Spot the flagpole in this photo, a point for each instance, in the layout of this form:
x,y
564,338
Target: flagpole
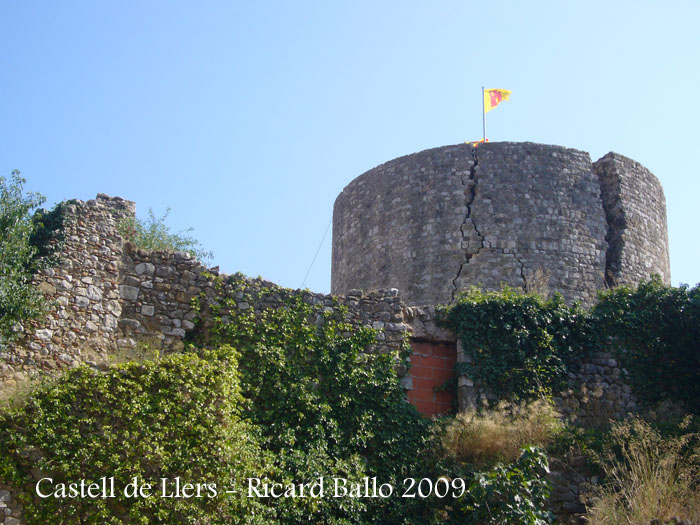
x,y
483,111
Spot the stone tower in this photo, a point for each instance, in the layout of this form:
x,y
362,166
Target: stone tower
x,y
532,216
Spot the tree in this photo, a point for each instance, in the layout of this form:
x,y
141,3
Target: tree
x,y
19,300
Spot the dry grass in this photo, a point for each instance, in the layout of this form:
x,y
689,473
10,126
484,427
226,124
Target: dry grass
x,y
650,477
498,435
14,392
147,350
16,389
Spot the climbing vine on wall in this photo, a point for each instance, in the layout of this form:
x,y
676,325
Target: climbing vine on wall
x,y
324,404
519,345
654,330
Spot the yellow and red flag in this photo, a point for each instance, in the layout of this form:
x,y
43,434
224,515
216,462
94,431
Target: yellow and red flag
x,y
493,97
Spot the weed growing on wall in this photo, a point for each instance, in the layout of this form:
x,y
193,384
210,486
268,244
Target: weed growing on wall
x,y
154,234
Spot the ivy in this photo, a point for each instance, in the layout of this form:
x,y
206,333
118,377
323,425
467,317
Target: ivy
x,y
519,345
515,493
48,235
654,330
323,403
522,346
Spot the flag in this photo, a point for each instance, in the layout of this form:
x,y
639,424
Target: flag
x,y
493,97
476,143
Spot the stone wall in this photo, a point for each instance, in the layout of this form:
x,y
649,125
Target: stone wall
x,y
157,289
596,393
84,290
523,214
108,297
10,508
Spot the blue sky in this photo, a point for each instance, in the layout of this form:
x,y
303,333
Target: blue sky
x,y
248,118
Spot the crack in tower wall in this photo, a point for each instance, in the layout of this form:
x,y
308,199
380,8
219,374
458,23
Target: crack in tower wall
x,y
470,184
614,217
522,271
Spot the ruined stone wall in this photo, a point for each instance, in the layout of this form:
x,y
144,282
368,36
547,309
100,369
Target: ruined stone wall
x,y
157,289
635,208
527,215
108,297
84,291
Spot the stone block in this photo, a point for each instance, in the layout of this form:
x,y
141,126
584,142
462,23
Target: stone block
x,y
145,269
129,293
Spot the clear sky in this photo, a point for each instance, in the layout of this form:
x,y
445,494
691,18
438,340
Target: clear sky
x,y
248,118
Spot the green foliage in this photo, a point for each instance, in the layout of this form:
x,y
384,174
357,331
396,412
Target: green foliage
x,y
324,405
515,493
655,333
48,236
18,256
154,234
521,345
307,401
177,416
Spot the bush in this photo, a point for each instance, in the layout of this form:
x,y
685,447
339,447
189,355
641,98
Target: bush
x,y
154,234
648,476
18,262
515,493
654,330
499,435
177,416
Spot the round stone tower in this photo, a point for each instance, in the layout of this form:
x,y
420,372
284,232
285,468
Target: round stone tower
x,y
532,216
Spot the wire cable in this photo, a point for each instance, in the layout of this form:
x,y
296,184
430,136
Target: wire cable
x,y
317,250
